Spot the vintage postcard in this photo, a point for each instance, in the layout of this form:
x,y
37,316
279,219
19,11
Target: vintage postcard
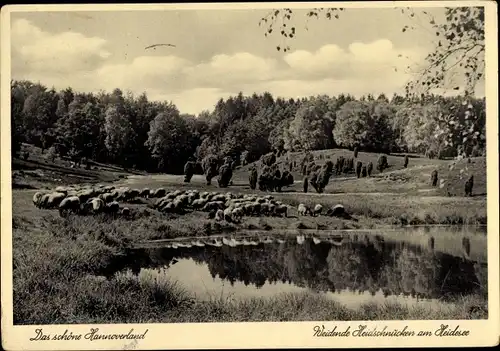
x,y
249,175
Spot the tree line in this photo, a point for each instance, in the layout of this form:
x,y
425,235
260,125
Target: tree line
x,y
134,132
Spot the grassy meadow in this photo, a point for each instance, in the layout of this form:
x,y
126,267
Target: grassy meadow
x,y
59,262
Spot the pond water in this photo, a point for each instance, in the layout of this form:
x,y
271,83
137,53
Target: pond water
x,y
424,265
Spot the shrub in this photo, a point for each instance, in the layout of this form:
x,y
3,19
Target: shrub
x,y
434,177
225,175
359,165
363,171
369,168
268,159
189,168
382,163
252,178
210,165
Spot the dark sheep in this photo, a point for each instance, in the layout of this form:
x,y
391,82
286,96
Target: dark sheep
x,y
252,178
369,169
434,177
189,168
359,165
468,186
382,163
306,184
405,165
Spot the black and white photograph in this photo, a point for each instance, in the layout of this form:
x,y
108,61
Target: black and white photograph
x,y
234,163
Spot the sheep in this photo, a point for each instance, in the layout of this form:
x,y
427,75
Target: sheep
x,y
112,207
106,197
69,204
228,214
317,209
51,200
213,206
264,209
237,213
125,211
94,206
302,210
198,203
169,207
257,207
282,210
37,197
336,211
86,194
145,193
160,192
219,215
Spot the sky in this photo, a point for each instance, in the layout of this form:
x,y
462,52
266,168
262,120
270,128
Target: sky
x,y
218,53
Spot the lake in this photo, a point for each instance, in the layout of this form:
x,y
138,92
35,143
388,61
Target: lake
x,y
415,265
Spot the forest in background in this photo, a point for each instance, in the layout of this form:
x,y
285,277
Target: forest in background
x,y
134,132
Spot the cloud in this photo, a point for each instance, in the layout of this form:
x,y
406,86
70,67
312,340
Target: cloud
x,y
84,63
148,72
193,101
65,52
368,60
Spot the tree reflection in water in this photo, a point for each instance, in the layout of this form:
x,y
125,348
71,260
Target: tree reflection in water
x,y
368,264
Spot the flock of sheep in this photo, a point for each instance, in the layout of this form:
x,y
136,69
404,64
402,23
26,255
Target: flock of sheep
x,y
88,199
233,207
221,206
227,206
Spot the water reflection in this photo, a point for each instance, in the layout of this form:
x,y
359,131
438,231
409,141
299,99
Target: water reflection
x,y
364,266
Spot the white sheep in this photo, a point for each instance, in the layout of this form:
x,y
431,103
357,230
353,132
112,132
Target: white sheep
x,y
237,213
302,210
219,215
228,214
317,209
94,205
69,204
37,197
